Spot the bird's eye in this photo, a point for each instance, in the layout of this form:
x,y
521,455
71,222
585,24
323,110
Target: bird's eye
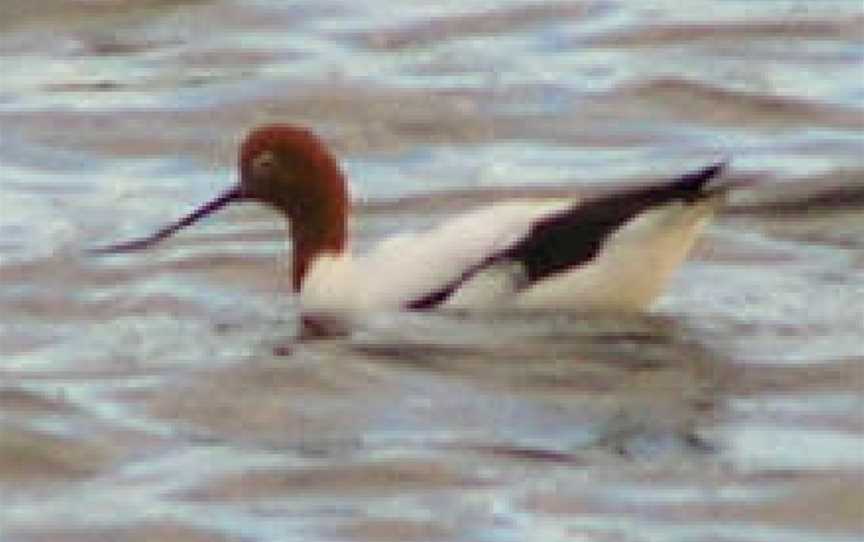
x,y
264,163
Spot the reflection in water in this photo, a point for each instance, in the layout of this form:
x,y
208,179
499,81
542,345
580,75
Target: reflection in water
x,y
167,396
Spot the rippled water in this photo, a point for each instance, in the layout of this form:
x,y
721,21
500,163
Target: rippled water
x,y
163,396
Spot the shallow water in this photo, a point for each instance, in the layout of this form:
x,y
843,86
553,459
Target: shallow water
x,y
164,396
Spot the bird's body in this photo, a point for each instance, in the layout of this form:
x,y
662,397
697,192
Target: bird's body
x,y
427,269
614,252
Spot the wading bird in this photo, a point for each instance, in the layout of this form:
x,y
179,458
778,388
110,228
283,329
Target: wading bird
x,y
611,253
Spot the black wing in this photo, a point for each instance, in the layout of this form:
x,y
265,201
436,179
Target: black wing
x,y
575,235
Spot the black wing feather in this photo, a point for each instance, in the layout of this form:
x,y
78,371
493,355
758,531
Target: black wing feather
x,y
575,235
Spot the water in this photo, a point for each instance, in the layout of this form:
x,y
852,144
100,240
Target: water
x,y
164,396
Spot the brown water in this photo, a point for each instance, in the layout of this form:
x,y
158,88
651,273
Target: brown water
x,y
163,396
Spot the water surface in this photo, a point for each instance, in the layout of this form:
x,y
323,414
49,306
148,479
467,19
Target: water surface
x,y
164,396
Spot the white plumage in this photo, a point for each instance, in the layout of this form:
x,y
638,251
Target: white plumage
x,y
633,267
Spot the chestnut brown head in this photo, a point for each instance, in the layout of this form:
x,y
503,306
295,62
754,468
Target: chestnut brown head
x,y
288,168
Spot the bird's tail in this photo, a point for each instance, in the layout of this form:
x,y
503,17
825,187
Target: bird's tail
x,y
694,186
698,185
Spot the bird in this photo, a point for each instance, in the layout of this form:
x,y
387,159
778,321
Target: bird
x,y
614,252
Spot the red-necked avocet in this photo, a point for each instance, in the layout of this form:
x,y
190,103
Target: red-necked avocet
x,y
611,253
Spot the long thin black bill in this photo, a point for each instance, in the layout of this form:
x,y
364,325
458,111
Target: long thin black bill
x,y
227,197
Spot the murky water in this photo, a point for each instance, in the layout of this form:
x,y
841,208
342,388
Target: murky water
x,y
163,396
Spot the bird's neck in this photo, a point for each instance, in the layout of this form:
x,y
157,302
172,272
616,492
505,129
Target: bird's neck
x,y
318,227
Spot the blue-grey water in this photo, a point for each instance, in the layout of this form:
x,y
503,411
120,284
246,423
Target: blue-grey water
x,y
164,396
